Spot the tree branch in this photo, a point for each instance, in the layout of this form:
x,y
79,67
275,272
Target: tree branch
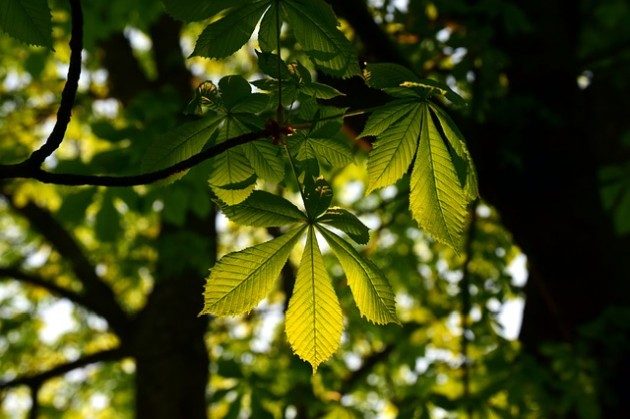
x,y
32,279
97,293
22,171
69,93
34,380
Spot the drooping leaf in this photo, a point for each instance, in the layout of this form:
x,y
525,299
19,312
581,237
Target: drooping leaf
x,y
317,195
27,20
394,150
437,200
265,160
371,291
263,209
225,36
347,222
320,90
240,280
459,152
179,144
384,75
267,34
384,117
233,89
195,10
272,65
231,176
314,25
314,322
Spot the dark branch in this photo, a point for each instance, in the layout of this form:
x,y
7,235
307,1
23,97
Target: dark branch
x,y
32,279
97,293
69,93
34,380
21,171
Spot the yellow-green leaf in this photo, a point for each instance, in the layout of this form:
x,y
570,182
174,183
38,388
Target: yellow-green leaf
x,y
394,150
240,280
371,291
314,321
437,200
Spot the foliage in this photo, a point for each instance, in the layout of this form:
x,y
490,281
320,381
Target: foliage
x,y
267,146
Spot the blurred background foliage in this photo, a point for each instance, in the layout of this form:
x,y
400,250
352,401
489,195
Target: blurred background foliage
x,y
457,352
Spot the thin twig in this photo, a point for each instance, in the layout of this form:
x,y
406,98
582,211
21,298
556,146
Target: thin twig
x,y
22,171
69,93
39,378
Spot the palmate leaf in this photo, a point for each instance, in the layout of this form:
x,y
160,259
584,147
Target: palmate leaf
x,y
393,152
232,177
265,159
370,288
263,209
179,144
314,25
240,280
27,20
195,10
225,36
437,199
347,222
314,321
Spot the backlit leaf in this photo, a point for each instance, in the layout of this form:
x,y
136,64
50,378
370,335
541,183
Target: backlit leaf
x,y
437,200
347,222
371,291
263,209
314,321
240,280
27,20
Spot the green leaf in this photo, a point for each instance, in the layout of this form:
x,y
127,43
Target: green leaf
x,y
459,152
265,160
314,25
27,20
371,291
437,200
194,10
383,75
320,90
179,144
317,195
225,36
232,178
240,280
394,150
384,117
347,222
233,89
331,151
263,209
268,64
267,34
314,322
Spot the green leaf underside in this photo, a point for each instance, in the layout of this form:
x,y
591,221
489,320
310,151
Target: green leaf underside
x,y
27,20
240,280
264,158
224,37
333,152
462,156
317,195
371,291
231,176
383,118
268,30
315,28
394,150
384,75
195,10
314,321
347,222
264,209
437,200
179,144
